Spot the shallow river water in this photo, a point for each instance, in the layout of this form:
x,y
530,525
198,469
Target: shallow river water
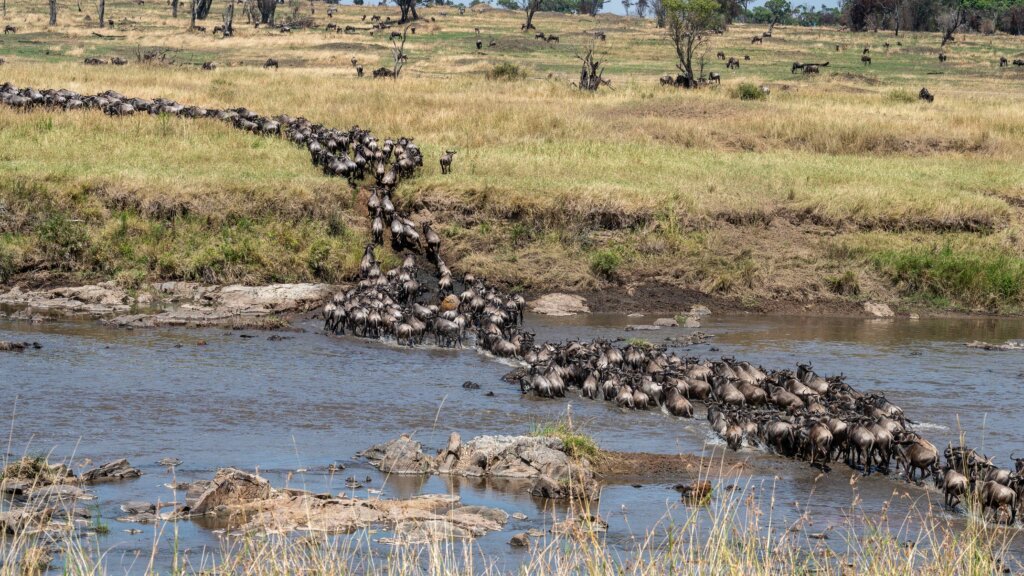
x,y
309,400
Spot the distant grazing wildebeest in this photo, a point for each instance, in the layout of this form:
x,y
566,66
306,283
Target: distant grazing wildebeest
x,y
796,66
118,61
383,72
866,50
811,69
553,38
446,161
732,63
540,35
866,59
94,61
270,63
359,70
1018,62
746,57
715,77
209,65
479,44
1003,62
925,95
756,40
667,80
10,29
721,55
350,29
492,43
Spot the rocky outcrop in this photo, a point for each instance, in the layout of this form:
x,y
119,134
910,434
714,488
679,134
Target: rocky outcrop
x,y
402,455
248,502
111,472
231,488
878,310
542,459
184,303
1010,345
559,304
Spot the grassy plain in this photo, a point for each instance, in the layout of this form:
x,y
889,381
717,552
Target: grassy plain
x,y
837,188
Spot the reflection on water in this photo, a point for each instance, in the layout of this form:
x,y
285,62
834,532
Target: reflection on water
x,y
309,400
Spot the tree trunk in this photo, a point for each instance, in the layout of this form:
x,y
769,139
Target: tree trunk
x,y
267,9
192,15
229,18
174,8
531,8
203,9
53,12
102,12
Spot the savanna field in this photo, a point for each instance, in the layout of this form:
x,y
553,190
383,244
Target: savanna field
x,y
835,189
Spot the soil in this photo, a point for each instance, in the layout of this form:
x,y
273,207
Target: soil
x,y
629,467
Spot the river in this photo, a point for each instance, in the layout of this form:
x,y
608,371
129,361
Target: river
x,y
305,400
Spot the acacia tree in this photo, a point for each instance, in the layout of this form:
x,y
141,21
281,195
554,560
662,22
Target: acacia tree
x,y
531,7
53,12
781,11
203,9
690,26
267,9
957,13
101,10
408,8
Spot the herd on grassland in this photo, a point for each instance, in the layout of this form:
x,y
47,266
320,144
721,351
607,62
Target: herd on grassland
x,y
797,414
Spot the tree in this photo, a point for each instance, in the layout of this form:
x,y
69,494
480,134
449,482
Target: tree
x,y
781,11
658,6
203,8
53,12
229,19
591,72
956,13
174,8
590,7
531,7
690,26
101,10
267,9
408,8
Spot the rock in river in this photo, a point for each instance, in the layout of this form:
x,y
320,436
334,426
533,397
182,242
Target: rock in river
x,y
558,304
402,455
111,471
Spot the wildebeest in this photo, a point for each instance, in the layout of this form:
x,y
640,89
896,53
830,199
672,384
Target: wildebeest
x,y
811,69
209,66
394,35
1003,62
540,35
94,61
994,497
1018,62
953,484
866,59
446,161
118,61
479,44
552,38
796,66
746,57
756,40
943,57
492,44
866,50
720,55
732,63
10,29
359,70
925,95
715,77
270,63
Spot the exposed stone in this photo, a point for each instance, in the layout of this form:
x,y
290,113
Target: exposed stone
x,y
699,310
231,487
642,327
111,471
559,304
691,322
400,456
878,310
520,540
666,322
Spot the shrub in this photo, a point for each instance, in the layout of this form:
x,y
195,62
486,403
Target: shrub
x,y
576,443
506,71
901,96
605,263
62,239
748,91
844,285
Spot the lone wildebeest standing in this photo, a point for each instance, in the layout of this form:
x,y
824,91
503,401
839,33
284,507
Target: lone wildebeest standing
x,y
479,44
270,63
446,161
715,77
359,70
720,55
10,30
1003,62
552,38
756,40
925,95
866,60
943,57
733,63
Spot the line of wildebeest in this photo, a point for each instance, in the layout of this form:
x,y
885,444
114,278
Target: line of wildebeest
x,y
798,414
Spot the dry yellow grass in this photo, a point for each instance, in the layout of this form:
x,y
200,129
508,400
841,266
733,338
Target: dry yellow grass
x,y
551,175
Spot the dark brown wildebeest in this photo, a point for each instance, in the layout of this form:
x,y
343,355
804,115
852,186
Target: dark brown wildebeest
x,y
1003,62
359,70
199,29
811,69
492,44
925,95
394,35
756,40
118,61
350,29
479,44
383,72
553,38
721,55
270,63
715,77
209,66
866,59
866,50
446,161
667,80
10,29
943,57
540,35
732,63
796,66
746,57
331,27
837,48
94,61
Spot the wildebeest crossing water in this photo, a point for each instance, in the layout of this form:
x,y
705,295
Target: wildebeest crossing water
x,y
796,413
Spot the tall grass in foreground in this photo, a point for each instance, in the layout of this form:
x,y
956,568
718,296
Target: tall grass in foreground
x,y
733,532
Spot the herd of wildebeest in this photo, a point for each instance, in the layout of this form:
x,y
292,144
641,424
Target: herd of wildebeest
x,y
794,413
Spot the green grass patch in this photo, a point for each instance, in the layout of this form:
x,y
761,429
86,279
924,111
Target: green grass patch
x,y
577,444
967,278
748,91
506,71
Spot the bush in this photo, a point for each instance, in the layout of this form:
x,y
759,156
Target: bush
x,y
605,263
845,285
576,443
901,96
748,91
61,239
506,71
967,278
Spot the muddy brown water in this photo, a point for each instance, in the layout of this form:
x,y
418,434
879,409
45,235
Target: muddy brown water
x,y
308,400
